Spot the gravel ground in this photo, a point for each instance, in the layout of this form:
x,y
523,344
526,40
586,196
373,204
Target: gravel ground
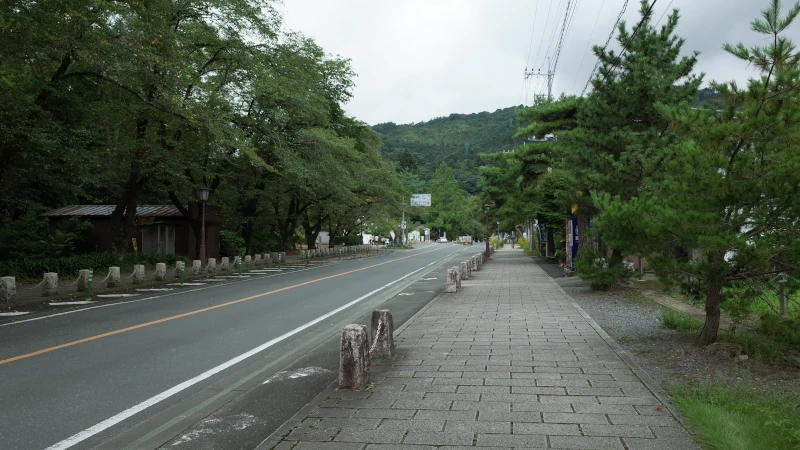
x,y
672,358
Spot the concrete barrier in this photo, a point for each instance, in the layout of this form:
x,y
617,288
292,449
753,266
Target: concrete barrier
x,y
283,258
382,334
50,285
457,269
354,357
257,259
464,272
138,274
469,268
224,264
451,285
113,277
8,289
161,271
248,261
211,265
83,280
179,268
474,262
197,267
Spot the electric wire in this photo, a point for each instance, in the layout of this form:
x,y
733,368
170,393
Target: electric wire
x,y
608,40
588,44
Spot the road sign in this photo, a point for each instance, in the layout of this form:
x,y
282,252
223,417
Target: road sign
x,y
403,224
421,200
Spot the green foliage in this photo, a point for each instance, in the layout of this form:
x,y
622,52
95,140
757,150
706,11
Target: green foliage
x,y
34,268
676,320
28,237
496,242
725,417
231,243
353,239
150,259
602,274
783,330
756,346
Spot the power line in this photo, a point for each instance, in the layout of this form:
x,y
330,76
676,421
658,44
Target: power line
x,y
588,44
665,11
528,59
569,16
610,35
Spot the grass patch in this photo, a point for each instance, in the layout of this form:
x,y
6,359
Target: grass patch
x,y
756,346
676,320
739,418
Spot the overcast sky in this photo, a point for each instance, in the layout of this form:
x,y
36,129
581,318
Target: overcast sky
x,y
420,59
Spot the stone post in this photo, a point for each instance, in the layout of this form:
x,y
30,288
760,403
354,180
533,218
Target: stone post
x,y
469,268
267,259
138,274
179,267
224,264
451,286
457,269
464,271
474,262
161,271
257,259
8,289
354,358
211,265
248,260
50,285
83,280
283,258
113,277
382,334
197,267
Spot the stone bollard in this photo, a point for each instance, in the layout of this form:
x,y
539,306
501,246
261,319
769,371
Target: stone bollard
x,y
354,357
179,268
283,258
451,286
83,280
382,334
274,257
248,260
267,259
257,259
50,285
464,271
211,265
224,264
138,273
458,276
469,268
474,262
8,289
161,271
197,267
113,277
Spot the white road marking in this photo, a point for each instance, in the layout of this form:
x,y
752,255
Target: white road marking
x,y
110,422
81,302
16,313
299,373
156,289
185,284
112,296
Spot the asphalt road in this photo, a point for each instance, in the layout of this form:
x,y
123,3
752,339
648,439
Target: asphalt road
x,y
212,366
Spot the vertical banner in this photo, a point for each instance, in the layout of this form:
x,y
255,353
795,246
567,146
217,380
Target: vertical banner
x,y
575,240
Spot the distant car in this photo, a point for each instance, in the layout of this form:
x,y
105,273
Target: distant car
x,y
442,240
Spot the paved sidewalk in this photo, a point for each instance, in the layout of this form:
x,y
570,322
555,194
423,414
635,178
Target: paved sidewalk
x,y
507,362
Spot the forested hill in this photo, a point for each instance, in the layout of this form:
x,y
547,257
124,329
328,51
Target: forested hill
x,y
456,139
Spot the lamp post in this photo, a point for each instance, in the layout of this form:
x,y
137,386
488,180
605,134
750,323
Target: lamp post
x,y
361,222
486,238
202,193
498,230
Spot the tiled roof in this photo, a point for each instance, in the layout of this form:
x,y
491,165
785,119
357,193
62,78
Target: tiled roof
x,y
106,210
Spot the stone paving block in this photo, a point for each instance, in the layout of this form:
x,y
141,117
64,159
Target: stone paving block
x,y
452,396
481,405
399,447
639,400
566,399
545,390
371,436
542,407
413,424
345,422
550,429
510,416
329,446
659,444
658,421
586,442
638,431
440,438
441,405
609,392
332,412
478,427
575,418
366,403
285,445
512,440
385,413
603,408
445,415
312,434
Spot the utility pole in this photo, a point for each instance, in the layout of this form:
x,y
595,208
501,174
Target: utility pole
x,y
549,75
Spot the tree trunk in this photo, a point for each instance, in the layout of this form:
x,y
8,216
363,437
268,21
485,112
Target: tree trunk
x,y
248,233
709,334
551,242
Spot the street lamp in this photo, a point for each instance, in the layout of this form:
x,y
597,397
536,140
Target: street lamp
x,y
498,230
202,194
486,237
361,222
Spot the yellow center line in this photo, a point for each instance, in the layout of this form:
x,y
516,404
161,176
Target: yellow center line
x,y
197,311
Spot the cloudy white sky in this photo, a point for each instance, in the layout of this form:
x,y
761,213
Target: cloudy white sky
x,y
420,59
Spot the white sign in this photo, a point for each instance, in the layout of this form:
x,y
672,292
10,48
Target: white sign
x,y
421,200
403,224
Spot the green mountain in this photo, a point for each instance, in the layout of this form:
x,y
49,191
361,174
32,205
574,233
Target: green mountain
x,y
457,139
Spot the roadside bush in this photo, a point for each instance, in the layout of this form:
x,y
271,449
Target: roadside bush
x,y
593,267
496,242
676,320
786,330
353,239
150,259
231,243
33,268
